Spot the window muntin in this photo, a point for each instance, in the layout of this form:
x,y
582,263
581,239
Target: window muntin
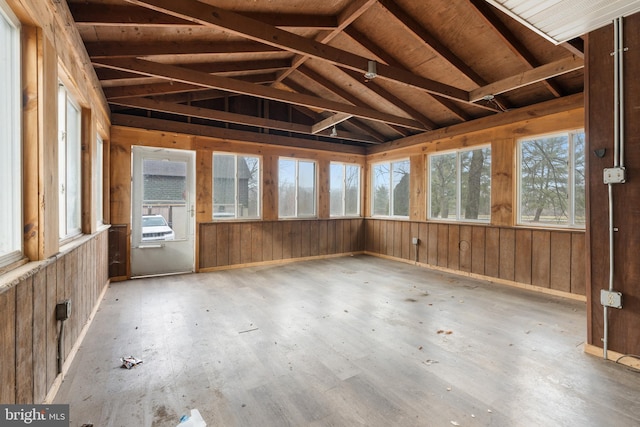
x,y
296,188
460,185
344,189
10,139
390,189
69,164
236,186
551,187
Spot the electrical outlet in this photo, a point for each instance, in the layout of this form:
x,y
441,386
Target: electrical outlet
x,y
415,240
611,298
63,310
615,175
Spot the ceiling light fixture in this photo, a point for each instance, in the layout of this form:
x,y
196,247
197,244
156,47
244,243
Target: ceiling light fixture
x,y
334,131
372,71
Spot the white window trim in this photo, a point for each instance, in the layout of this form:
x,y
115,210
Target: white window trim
x,y
570,224
65,233
391,206
344,191
296,214
13,115
235,187
99,185
458,152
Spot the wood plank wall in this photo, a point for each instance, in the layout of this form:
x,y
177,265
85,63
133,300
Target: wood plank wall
x,y
28,327
551,259
624,324
232,244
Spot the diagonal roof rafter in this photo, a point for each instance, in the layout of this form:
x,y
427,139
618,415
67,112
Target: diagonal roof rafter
x,y
257,31
184,75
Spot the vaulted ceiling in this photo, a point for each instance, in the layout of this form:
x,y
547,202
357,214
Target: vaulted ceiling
x,y
296,68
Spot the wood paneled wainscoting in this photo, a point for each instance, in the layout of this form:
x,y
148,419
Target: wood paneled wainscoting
x,y
552,260
28,327
223,244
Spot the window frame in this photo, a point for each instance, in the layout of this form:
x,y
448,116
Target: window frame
x,y
344,214
296,214
459,205
390,212
571,180
99,180
12,199
67,232
236,197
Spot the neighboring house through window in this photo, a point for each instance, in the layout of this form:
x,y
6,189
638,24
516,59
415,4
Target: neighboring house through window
x,y
296,188
10,139
236,186
460,185
390,189
551,180
345,189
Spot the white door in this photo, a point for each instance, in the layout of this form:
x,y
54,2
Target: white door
x,y
162,211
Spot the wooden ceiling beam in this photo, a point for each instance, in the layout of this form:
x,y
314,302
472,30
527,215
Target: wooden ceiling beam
x,y
331,121
381,55
575,46
487,13
439,48
125,91
226,117
255,30
184,75
525,78
354,122
429,39
337,90
132,49
85,14
392,99
209,114
346,17
230,134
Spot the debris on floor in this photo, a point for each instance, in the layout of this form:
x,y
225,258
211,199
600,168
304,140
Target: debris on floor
x,y
193,420
442,331
129,362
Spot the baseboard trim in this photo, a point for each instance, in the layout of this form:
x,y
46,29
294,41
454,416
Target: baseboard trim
x,y
511,283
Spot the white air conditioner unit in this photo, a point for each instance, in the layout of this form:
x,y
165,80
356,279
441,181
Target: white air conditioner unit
x,y
562,20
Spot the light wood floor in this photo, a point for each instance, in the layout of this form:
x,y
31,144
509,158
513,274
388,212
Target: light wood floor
x,y
342,342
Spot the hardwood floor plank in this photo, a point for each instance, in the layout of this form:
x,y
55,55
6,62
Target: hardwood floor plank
x,y
341,342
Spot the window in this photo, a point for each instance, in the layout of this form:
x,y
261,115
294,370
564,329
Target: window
x,y
236,186
391,188
99,190
10,139
551,188
344,189
69,166
460,185
296,188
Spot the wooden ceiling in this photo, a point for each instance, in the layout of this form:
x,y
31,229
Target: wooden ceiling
x,y
294,69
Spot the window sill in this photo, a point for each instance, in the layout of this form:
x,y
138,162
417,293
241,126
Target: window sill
x,y
19,271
